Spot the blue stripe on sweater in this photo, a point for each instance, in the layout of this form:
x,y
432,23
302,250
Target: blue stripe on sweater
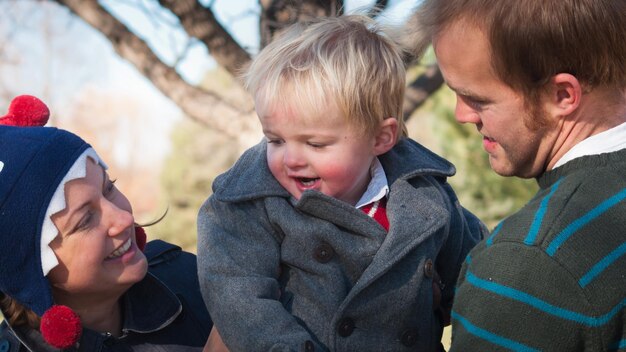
x,y
541,212
616,346
493,234
543,306
491,337
584,220
602,264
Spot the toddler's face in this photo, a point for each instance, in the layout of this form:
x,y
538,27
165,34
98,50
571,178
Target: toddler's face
x,y
320,153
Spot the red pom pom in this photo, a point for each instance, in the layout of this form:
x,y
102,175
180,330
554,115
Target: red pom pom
x,y
140,237
61,327
26,110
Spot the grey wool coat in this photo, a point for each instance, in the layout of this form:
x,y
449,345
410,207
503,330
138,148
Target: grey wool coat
x,y
317,274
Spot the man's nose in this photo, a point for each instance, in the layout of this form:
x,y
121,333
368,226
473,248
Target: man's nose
x,y
464,113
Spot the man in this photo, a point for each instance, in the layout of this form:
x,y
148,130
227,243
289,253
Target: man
x,y
545,84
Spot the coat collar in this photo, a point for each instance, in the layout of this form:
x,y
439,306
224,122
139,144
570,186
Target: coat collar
x,y
250,177
147,315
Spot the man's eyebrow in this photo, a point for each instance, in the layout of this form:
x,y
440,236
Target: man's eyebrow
x,y
468,94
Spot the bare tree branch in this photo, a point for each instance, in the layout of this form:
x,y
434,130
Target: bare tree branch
x,y
199,22
378,7
279,14
202,106
420,89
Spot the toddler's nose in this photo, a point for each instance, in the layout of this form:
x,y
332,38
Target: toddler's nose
x,y
293,158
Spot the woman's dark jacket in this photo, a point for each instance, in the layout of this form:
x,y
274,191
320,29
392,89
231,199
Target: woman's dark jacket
x,y
162,312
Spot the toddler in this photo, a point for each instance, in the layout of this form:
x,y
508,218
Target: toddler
x,y
327,235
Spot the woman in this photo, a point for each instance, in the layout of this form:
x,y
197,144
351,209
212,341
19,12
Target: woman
x,y
73,275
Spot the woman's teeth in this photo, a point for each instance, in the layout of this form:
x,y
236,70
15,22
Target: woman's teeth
x,y
120,251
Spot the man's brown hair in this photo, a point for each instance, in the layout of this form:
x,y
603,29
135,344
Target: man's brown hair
x,y
533,40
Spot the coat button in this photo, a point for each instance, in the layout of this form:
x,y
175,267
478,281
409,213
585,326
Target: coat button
x,y
409,337
309,346
429,269
345,327
323,253
4,346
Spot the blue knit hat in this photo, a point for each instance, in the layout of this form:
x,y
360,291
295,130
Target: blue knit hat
x,y
35,160
35,164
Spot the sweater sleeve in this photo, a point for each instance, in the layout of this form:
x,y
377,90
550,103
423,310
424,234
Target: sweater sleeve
x,y
238,267
514,297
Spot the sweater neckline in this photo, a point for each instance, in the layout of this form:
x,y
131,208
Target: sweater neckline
x,y
548,178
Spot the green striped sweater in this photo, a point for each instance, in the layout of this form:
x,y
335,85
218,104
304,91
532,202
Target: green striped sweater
x,y
552,277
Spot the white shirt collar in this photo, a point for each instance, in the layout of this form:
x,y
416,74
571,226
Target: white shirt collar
x,y
378,186
608,141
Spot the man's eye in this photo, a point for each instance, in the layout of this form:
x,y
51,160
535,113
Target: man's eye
x,y
473,103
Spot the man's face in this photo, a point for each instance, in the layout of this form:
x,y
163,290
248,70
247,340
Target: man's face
x,y
463,54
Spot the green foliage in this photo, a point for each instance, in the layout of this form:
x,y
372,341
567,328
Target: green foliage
x,y
198,156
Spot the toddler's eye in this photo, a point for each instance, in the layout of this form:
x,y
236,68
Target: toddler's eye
x,y
316,145
274,141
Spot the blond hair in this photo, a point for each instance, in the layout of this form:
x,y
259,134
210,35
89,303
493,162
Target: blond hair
x,y
348,61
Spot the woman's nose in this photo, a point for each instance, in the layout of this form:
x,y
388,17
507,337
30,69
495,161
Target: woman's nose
x,y
118,218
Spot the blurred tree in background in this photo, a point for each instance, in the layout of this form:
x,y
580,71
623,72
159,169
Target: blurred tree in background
x,y
200,154
220,120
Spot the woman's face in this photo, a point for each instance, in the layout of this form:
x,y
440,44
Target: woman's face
x,y
96,247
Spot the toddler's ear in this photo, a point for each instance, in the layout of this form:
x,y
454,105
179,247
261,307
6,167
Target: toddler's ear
x,y
387,136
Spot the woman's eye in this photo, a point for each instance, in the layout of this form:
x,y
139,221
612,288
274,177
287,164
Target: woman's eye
x,y
110,187
84,222
316,145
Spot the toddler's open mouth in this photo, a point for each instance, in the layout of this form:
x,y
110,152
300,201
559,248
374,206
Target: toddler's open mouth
x,y
307,182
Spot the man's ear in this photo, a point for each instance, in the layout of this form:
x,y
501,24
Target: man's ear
x,y
565,94
387,136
